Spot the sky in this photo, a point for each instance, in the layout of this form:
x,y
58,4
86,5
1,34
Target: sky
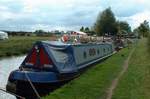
x,y
31,15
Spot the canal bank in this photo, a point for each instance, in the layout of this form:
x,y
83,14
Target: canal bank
x,y
135,83
18,45
6,66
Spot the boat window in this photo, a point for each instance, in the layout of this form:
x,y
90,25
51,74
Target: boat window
x,y
84,55
98,51
60,56
104,50
92,52
108,48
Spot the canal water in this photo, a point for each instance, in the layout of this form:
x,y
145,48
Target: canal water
x,y
6,66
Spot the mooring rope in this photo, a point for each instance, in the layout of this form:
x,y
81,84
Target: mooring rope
x,y
2,89
33,87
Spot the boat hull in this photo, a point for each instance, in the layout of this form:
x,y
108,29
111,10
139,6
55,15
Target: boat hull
x,y
24,89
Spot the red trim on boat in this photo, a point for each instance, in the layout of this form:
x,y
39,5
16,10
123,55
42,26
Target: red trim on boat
x,y
32,57
44,59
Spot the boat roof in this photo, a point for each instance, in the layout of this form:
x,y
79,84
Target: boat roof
x,y
56,43
62,44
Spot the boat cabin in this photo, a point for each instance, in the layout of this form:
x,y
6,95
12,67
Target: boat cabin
x,y
64,58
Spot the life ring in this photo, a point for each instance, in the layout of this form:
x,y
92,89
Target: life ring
x,y
65,38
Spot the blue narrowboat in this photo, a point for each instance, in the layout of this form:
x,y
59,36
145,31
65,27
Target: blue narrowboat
x,y
51,64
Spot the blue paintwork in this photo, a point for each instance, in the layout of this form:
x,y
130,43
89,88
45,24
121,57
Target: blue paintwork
x,y
39,77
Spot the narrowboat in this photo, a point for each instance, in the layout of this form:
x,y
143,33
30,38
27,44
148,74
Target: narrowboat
x,y
50,64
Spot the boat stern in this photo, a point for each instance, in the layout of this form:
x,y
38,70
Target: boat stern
x,y
29,76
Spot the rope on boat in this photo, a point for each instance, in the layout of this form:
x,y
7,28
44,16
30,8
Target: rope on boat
x,y
33,87
12,93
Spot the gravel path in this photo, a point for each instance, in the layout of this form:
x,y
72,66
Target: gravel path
x,y
116,80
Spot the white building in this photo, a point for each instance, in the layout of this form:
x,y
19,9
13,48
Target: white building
x,y
3,35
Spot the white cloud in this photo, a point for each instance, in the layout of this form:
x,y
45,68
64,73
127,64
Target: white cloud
x,y
3,8
136,19
142,1
140,17
66,14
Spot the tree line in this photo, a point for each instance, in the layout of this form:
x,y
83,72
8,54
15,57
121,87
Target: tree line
x,y
107,24
143,30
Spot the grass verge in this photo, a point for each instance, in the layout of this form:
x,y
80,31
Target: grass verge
x,y
17,45
94,82
135,83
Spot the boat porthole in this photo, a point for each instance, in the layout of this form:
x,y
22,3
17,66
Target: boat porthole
x,y
104,50
84,55
98,51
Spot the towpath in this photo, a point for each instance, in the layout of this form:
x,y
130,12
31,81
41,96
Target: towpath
x,y
116,80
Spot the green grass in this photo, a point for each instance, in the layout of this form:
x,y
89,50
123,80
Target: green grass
x,y
94,83
17,45
135,84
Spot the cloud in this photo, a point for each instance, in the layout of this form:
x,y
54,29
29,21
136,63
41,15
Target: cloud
x,y
48,12
138,18
67,14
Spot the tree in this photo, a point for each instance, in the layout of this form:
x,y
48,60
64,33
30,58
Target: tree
x,y
106,23
39,32
136,32
82,29
123,27
143,29
87,30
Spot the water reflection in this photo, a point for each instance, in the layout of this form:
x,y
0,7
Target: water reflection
x,y
6,66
